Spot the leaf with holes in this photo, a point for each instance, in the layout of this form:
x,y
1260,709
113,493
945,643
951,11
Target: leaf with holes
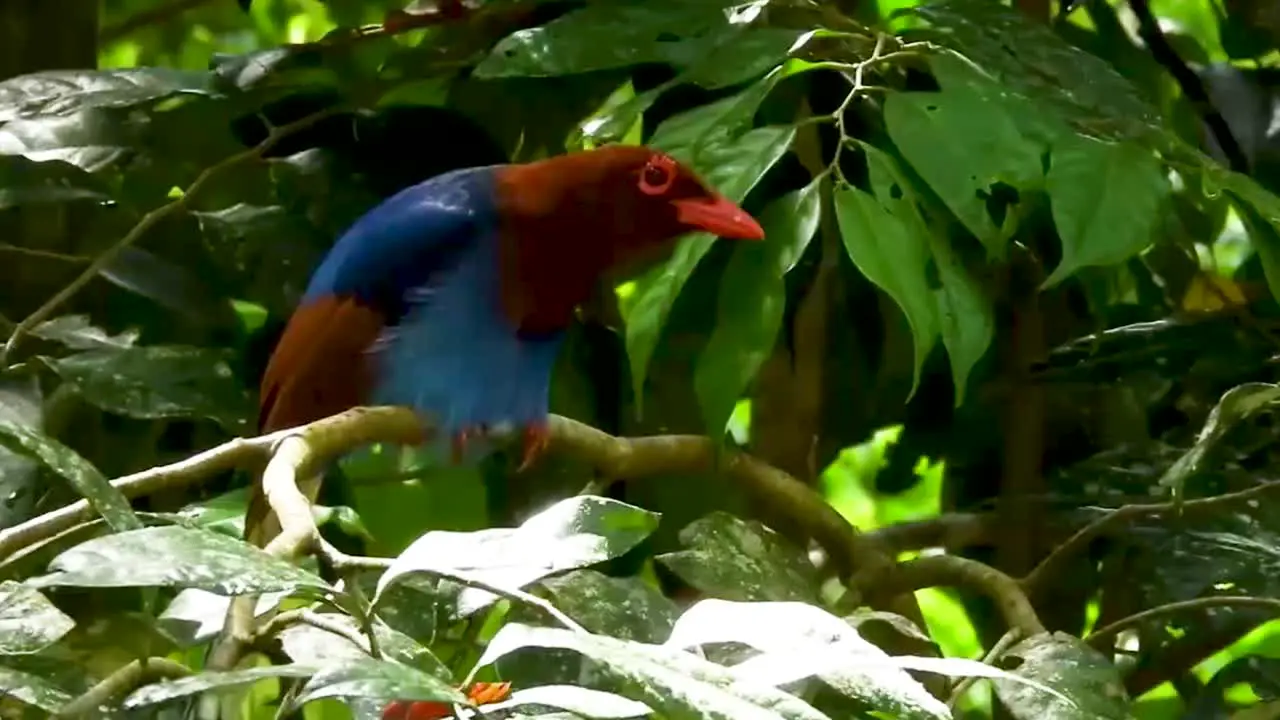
x,y
91,484
1106,199
751,303
963,146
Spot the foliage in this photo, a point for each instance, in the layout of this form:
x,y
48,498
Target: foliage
x,y
1046,250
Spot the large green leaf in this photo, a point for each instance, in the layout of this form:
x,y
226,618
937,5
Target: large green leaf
x,y
626,608
678,684
1106,198
159,382
92,485
62,92
379,679
892,252
696,35
1091,682
741,560
962,145
32,689
162,692
28,621
868,673
175,556
751,304
706,138
573,533
24,181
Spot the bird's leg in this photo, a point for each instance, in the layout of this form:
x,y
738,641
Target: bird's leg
x,y
464,436
537,437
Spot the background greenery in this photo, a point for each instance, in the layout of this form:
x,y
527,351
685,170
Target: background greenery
x,y
1020,270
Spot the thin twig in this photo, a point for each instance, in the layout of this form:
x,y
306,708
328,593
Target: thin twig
x,y
1011,637
152,218
1099,638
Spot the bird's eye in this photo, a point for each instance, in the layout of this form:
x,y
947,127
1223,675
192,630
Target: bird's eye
x,y
658,175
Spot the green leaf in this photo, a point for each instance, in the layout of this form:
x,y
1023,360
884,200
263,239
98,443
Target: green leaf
x,y
627,608
28,621
702,137
159,381
78,333
91,484
751,304
32,689
1092,685
800,631
379,679
307,643
965,316
64,92
162,692
716,47
740,560
677,684
1106,199
571,534
175,556
962,146
893,253
24,181
22,403
195,616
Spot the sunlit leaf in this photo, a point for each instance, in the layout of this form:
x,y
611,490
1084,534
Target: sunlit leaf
x,y
28,621
175,556
381,679
165,691
62,92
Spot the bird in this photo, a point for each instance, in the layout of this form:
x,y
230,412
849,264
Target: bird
x,y
452,297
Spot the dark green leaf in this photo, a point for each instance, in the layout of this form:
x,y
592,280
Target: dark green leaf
x,y
28,621
175,556
740,560
806,640
677,684
25,182
752,300
80,473
378,679
719,48
159,382
77,333
157,693
573,533
63,92
962,145
626,608
1030,59
22,404
703,137
171,286
1071,667
1106,198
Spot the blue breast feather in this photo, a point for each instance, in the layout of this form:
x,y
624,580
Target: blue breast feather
x,y
428,259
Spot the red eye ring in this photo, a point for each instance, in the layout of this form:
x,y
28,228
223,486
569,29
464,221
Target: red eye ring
x,y
658,175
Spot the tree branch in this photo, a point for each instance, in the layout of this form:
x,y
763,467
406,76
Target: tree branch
x,y
1100,638
152,218
122,682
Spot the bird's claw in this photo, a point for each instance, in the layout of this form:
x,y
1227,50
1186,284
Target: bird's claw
x,y
536,439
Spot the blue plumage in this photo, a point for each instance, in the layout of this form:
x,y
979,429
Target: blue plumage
x,y
427,260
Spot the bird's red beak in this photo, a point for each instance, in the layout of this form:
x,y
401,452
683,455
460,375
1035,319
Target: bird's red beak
x,y
718,215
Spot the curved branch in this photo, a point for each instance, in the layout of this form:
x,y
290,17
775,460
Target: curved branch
x,y
1099,638
122,682
936,570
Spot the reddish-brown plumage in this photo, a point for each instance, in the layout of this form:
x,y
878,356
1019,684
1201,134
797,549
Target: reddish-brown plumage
x,y
568,220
